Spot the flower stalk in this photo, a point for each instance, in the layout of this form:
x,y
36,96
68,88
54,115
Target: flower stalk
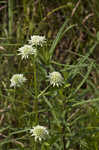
x,y
36,93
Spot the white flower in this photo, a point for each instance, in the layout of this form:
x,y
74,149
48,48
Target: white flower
x,y
17,80
39,132
55,79
27,50
37,40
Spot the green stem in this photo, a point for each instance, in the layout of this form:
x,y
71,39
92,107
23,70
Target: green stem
x,y
36,100
42,93
33,144
35,147
10,14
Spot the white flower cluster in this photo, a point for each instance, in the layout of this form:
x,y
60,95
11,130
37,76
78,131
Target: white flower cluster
x,y
17,80
27,50
39,132
30,49
37,40
55,78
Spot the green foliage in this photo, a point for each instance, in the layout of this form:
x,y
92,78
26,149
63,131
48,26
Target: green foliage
x,y
71,111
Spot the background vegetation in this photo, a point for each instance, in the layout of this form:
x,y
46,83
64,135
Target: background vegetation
x,y
70,113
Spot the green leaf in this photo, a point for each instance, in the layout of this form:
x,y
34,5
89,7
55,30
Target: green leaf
x,y
60,34
97,36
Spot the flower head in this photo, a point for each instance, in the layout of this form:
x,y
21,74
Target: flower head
x,y
55,79
39,132
17,80
27,50
37,40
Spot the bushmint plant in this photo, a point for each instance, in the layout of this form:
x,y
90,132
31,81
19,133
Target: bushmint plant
x,y
54,79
